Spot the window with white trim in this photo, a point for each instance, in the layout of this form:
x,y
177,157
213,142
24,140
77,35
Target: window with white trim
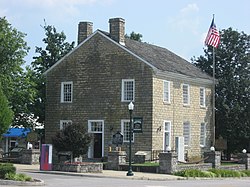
x,y
185,94
64,124
125,131
66,92
95,126
203,135
166,91
128,90
186,133
166,135
202,97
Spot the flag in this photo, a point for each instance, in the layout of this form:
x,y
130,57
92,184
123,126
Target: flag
x,y
213,36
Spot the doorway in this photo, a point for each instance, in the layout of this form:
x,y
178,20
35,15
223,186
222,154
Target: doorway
x,y
96,147
166,135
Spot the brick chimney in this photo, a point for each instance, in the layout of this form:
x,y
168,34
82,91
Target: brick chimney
x,y
84,30
117,30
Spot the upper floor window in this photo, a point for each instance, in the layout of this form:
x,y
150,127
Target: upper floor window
x,y
125,130
128,90
64,124
66,92
166,91
186,133
202,97
203,135
186,94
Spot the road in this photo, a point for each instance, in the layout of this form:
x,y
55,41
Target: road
x,y
52,180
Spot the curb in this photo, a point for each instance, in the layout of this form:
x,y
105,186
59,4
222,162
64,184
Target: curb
x,y
37,182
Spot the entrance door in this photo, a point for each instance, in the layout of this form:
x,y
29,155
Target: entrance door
x,y
167,135
96,127
97,145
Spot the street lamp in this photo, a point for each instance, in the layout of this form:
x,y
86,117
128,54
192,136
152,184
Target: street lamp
x,y
130,108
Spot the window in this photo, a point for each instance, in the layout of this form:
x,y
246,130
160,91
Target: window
x,y
202,97
66,92
95,126
186,133
167,135
203,135
125,131
185,91
166,91
64,123
128,90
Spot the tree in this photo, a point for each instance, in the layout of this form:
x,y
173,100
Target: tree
x,y
74,138
233,88
55,49
16,88
135,36
6,114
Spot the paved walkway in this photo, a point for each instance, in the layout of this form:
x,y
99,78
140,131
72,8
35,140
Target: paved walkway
x,y
104,174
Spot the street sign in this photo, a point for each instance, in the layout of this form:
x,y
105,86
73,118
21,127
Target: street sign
x,y
137,123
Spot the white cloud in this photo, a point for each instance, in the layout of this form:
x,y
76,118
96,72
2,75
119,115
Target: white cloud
x,y
190,8
187,19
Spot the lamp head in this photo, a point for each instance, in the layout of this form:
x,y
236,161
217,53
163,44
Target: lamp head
x,y
131,106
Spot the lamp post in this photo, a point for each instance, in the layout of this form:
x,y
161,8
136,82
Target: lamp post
x,y
130,108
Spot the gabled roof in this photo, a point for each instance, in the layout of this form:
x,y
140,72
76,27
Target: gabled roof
x,y
158,58
164,60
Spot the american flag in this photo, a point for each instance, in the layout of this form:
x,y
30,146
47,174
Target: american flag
x,y
213,36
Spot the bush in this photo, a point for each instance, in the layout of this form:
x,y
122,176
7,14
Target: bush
x,y
246,172
17,177
226,173
6,168
195,173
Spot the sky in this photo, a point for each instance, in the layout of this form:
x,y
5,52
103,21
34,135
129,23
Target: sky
x,y
180,26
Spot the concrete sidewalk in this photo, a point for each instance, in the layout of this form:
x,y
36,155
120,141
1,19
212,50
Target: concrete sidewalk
x,y
104,174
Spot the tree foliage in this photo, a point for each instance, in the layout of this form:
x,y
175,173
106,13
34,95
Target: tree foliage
x,y
233,88
135,36
6,114
74,138
56,48
13,49
14,80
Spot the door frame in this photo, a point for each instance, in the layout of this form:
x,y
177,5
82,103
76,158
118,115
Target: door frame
x,y
96,131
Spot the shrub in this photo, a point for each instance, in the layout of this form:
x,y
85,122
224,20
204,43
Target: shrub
x,y
6,168
195,173
246,172
17,177
226,173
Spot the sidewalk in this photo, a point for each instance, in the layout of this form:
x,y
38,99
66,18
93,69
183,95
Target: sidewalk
x,y
104,174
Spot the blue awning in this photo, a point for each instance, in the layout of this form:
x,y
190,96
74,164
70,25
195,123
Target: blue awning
x,y
17,132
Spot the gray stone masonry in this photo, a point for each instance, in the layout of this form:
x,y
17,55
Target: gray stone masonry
x,y
245,159
115,158
213,157
167,162
30,156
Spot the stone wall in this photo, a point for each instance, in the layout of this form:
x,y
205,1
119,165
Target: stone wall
x,y
30,156
177,113
79,167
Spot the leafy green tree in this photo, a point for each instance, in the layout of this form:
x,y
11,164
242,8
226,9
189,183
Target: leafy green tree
x,y
13,49
233,88
56,48
6,114
15,86
134,36
74,138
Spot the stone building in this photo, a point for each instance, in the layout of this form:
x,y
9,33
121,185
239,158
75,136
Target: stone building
x,y
94,83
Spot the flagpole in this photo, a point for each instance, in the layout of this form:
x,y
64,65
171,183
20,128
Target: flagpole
x,y
213,110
